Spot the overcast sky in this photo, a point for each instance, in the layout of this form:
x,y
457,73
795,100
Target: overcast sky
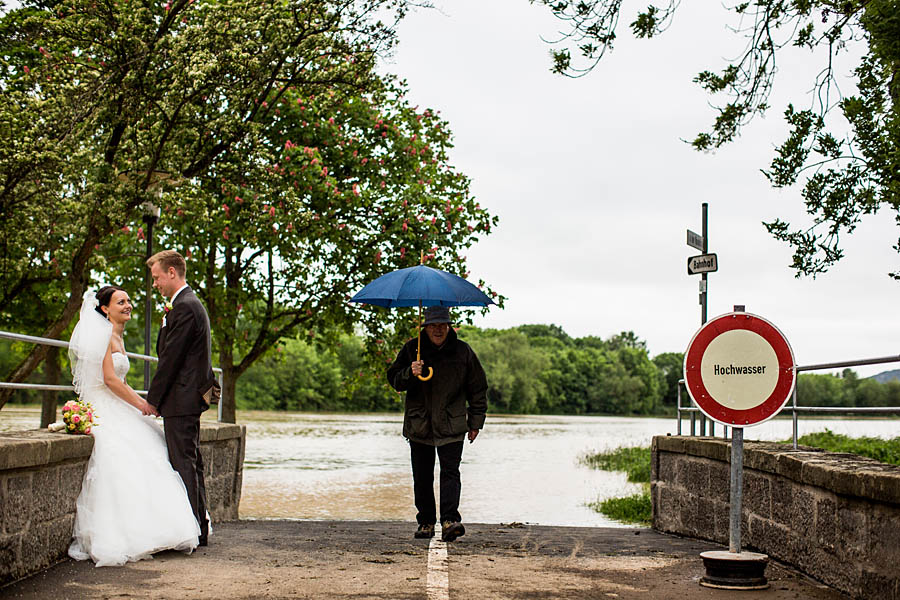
x,y
595,188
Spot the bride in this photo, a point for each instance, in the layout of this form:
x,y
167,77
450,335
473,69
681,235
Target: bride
x,y
132,503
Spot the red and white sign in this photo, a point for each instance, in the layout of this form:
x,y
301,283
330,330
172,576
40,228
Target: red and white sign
x,y
739,369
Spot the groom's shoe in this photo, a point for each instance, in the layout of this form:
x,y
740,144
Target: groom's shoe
x,y
203,541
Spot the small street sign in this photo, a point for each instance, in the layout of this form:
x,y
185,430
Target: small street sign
x,y
704,263
739,369
694,240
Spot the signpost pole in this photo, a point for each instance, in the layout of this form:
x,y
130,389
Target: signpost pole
x,y
704,206
704,286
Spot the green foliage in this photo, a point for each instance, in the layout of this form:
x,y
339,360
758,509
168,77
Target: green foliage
x,y
303,376
670,366
635,461
637,508
847,175
886,451
846,390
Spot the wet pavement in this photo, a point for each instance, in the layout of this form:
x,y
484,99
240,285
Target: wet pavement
x,y
380,559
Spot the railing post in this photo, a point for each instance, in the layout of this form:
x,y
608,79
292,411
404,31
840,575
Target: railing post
x,y
794,416
678,406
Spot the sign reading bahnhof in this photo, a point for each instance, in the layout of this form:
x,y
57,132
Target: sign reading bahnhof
x,y
739,369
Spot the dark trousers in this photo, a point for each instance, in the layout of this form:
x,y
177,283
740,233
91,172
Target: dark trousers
x,y
183,442
450,455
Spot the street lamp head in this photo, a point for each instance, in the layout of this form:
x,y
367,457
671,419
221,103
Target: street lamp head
x,y
151,211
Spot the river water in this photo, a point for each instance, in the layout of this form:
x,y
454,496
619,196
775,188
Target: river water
x,y
520,469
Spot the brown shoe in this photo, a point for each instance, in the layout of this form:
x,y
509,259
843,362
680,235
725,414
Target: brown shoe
x,y
450,530
424,531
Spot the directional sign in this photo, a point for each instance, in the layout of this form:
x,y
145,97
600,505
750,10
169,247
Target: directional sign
x,y
704,263
694,240
739,369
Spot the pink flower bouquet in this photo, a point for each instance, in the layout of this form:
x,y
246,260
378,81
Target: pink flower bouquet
x,y
78,417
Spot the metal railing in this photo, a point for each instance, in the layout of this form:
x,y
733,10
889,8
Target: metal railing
x,y
18,337
792,407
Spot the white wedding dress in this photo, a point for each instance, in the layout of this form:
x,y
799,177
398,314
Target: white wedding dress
x,y
132,502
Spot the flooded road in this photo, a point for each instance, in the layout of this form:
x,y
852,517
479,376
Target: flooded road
x,y
520,469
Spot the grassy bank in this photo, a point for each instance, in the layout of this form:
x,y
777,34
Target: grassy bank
x,y
886,451
635,462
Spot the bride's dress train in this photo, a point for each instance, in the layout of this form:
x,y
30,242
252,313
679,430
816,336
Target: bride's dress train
x,y
132,502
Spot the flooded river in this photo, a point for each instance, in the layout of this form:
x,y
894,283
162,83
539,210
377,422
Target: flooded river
x,y
521,468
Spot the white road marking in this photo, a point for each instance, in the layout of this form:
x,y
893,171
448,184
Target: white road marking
x,y
437,584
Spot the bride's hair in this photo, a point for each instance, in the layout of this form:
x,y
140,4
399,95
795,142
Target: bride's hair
x,y
104,295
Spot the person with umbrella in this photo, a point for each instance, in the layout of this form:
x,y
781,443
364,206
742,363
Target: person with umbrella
x,y
440,412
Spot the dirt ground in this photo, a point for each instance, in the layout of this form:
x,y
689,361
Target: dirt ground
x,y
365,559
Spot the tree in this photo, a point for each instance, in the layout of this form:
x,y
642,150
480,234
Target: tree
x,y
847,175
103,102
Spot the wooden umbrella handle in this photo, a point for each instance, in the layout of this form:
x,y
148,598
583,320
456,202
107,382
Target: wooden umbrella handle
x,y
419,347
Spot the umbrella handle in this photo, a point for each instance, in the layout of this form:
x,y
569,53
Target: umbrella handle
x,y
430,374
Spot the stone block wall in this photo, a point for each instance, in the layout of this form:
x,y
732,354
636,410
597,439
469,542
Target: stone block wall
x,y
834,516
40,479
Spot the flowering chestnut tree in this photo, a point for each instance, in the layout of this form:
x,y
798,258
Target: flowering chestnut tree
x,y
336,187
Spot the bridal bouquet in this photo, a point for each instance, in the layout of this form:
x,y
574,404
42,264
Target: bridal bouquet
x,y
78,417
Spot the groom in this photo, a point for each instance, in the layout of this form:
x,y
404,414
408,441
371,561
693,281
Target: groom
x,y
184,382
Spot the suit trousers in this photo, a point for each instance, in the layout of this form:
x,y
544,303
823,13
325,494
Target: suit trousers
x,y
183,443
450,455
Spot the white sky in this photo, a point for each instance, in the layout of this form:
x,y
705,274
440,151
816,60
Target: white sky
x,y
595,189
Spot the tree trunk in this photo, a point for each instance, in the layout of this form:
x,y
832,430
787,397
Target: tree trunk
x,y
51,377
229,384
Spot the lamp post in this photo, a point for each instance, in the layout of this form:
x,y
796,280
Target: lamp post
x,y
151,216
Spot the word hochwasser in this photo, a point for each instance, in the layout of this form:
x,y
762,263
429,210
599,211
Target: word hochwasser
x,y
735,370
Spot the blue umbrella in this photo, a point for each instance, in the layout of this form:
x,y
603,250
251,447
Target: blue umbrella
x,y
421,286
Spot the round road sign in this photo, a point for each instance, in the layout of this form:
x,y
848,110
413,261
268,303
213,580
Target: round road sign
x,y
739,369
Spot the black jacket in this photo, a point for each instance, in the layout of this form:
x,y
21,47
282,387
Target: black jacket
x,y
442,409
184,349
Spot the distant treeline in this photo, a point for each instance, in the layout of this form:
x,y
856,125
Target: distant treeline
x,y
536,369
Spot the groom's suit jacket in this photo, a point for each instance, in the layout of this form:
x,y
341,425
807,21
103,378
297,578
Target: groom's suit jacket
x,y
184,347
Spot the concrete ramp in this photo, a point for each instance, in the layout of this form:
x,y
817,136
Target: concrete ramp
x,y
364,559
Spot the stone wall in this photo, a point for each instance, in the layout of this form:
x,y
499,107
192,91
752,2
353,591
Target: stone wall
x,y
40,478
834,516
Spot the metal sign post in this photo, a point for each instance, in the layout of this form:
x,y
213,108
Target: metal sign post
x,y
739,370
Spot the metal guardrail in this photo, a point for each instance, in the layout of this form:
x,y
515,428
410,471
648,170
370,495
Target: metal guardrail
x,y
793,408
18,337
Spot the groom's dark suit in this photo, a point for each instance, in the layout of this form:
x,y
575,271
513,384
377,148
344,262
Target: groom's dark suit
x,y
183,375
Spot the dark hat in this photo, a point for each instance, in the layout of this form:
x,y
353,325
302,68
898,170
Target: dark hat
x,y
436,314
